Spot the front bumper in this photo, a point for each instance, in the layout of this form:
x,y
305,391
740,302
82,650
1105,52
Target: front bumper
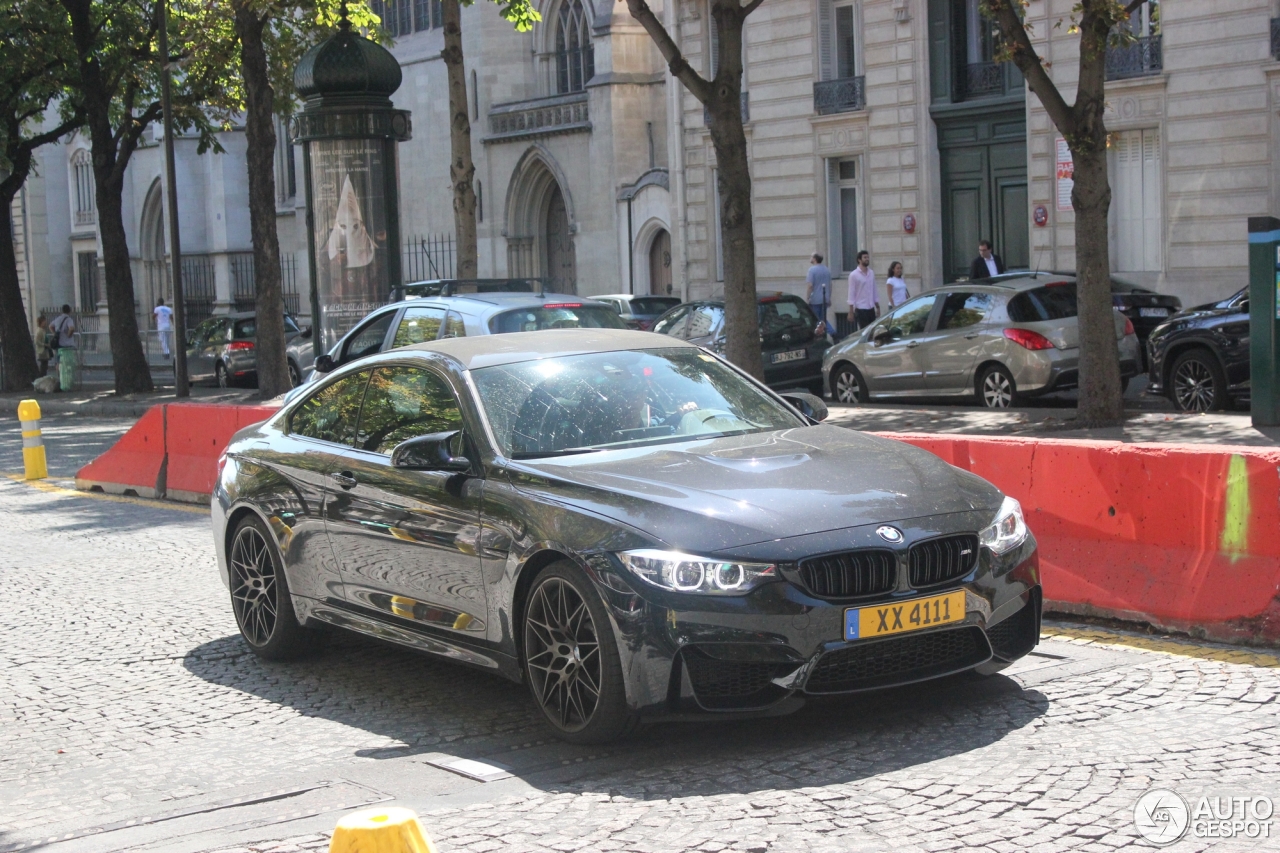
x,y
759,653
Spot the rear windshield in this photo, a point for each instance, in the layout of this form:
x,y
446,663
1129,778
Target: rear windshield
x,y
653,304
1057,302
245,328
569,315
783,313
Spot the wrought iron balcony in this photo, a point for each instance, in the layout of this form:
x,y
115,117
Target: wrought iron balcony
x,y
1142,57
989,80
539,117
746,111
1275,37
840,96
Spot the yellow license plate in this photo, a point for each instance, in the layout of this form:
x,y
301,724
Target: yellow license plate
x,y
902,616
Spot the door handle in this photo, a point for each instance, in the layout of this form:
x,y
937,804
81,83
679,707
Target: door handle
x,y
912,344
970,337
343,479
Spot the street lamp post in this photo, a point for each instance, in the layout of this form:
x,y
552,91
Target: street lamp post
x,y
348,129
182,388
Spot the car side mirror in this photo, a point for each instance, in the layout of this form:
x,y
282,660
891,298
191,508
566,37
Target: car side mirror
x,y
324,363
808,405
883,337
432,452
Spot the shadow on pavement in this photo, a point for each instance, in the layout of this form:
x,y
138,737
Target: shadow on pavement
x,y
428,706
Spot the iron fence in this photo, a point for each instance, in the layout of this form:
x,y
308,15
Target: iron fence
x,y
1275,38
244,283
427,258
1139,58
840,96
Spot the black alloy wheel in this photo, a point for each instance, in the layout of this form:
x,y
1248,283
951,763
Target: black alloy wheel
x,y
847,386
996,388
295,375
260,595
1196,382
220,372
571,658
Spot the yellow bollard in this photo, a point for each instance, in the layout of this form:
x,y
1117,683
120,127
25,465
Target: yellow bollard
x,y
390,830
33,458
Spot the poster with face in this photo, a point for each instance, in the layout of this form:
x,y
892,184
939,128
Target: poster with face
x,y
348,177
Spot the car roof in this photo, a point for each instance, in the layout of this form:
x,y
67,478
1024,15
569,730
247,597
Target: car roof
x,y
483,302
1016,281
488,350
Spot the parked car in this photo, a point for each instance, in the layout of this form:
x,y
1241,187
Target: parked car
x,y
416,320
638,311
791,343
992,342
1145,308
1199,358
624,522
222,348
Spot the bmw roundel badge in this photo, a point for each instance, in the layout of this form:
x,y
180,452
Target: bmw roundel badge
x,y
889,534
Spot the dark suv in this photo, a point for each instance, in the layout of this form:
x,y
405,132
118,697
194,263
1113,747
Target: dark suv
x,y
1199,359
791,345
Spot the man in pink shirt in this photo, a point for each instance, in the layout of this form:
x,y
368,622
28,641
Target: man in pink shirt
x,y
863,307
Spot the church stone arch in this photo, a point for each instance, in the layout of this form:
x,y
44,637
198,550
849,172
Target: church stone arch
x,y
541,222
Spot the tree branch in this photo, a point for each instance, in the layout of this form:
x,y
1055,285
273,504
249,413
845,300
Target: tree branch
x,y
751,7
1029,63
679,67
1133,6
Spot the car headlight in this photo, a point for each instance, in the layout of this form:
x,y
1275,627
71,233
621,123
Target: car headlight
x,y
1008,531
679,572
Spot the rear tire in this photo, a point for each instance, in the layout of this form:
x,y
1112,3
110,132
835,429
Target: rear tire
x,y
571,658
1196,382
260,594
295,375
848,386
996,388
221,375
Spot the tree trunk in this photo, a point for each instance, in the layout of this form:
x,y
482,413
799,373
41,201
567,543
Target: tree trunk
x,y
1100,400
272,363
20,366
461,168
129,362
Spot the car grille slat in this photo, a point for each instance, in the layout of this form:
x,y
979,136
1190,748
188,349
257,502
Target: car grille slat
x,y
850,574
898,660
937,561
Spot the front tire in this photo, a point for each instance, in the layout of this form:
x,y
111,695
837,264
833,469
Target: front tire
x,y
847,385
996,388
1196,382
571,658
260,594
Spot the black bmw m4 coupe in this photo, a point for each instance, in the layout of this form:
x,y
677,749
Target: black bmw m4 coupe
x,y
622,521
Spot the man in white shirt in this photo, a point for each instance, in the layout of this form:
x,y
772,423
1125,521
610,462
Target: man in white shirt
x,y
987,265
863,307
164,325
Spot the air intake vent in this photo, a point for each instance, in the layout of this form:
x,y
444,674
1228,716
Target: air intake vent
x,y
850,574
938,561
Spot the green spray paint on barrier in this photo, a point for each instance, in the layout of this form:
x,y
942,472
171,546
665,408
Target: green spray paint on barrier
x,y
1235,509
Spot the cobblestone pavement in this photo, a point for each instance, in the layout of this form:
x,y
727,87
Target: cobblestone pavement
x,y
131,717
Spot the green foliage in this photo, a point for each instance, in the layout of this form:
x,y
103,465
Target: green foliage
x,y
32,68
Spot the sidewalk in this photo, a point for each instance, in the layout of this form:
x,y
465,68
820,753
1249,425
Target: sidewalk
x,y
101,401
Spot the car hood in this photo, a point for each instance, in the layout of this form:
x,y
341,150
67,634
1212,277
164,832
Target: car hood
x,y
717,494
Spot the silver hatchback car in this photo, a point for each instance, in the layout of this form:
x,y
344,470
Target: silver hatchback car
x,y
994,341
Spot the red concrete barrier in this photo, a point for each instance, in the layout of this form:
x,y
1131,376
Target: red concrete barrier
x,y
172,451
196,434
135,464
1185,537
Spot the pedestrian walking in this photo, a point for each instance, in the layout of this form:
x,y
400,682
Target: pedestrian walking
x,y
819,295
987,264
164,325
63,328
895,286
863,307
44,349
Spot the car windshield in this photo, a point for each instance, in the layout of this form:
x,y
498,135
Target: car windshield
x,y
1235,299
562,315
580,403
653,304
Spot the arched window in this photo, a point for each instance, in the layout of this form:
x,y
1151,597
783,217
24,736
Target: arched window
x,y
86,207
575,56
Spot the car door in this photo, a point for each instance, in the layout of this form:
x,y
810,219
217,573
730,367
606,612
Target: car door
x,y
319,429
950,351
370,338
406,539
890,364
208,344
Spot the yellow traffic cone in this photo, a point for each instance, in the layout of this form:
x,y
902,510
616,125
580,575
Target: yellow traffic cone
x,y
390,830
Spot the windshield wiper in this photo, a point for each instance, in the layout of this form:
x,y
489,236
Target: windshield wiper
x,y
564,451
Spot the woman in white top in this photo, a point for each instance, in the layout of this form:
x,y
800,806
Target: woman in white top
x,y
896,286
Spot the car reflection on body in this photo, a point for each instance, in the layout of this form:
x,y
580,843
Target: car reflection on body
x,y
623,521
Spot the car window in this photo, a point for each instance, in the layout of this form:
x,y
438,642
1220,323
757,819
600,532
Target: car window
x,y
330,413
965,309
910,319
575,403
206,331
454,327
290,325
653,304
246,328
556,315
418,324
404,403
672,323
369,338
703,321
1053,302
